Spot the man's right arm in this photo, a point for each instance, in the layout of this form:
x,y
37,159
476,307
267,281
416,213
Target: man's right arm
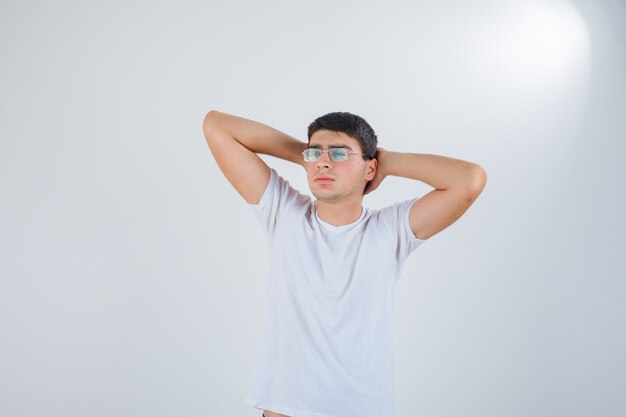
x,y
235,141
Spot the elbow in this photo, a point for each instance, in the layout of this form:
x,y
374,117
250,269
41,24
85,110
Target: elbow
x,y
209,116
478,180
209,120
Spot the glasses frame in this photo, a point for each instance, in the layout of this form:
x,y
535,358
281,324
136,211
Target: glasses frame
x,y
328,150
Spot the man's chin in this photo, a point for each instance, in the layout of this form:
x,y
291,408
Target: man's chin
x,y
331,198
326,197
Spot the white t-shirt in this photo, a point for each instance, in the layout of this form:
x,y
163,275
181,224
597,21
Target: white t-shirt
x,y
327,346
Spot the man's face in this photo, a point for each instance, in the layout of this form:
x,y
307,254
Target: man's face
x,y
349,176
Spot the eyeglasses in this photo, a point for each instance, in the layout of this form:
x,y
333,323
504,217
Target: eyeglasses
x,y
336,154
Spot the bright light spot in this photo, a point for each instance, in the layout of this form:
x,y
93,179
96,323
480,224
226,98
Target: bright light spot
x,y
534,44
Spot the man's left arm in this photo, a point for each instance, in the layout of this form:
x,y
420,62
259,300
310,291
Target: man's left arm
x,y
457,185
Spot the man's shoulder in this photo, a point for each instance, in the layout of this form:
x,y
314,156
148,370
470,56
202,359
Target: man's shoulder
x,y
394,208
288,190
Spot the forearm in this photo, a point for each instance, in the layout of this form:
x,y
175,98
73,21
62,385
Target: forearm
x,y
256,136
438,171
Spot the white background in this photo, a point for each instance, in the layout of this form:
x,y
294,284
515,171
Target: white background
x,y
132,275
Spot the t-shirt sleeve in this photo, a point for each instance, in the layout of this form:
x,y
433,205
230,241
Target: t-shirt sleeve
x,y
406,241
277,197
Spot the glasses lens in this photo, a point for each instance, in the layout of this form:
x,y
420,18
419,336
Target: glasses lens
x,y
312,155
338,154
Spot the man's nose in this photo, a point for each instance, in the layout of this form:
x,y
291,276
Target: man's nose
x,y
324,159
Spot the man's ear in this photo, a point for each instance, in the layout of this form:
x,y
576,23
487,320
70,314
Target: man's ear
x,y
372,165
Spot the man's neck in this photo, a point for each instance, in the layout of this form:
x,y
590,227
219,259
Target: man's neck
x,y
339,214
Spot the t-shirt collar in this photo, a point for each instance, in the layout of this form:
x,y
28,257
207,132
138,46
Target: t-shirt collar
x,y
334,228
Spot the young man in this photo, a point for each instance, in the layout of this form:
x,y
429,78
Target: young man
x,y
327,347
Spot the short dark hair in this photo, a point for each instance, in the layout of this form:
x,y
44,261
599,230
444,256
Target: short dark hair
x,y
352,125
